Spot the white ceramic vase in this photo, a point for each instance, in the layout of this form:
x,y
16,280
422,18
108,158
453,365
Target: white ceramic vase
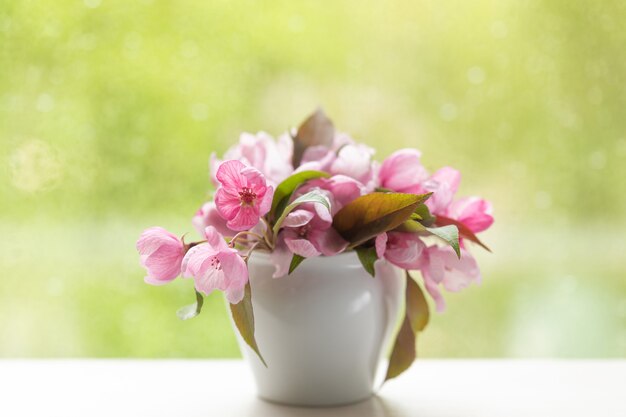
x,y
325,331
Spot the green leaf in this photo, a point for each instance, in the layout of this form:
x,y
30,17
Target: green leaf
x,y
450,234
373,214
285,189
295,261
415,320
411,226
419,220
383,190
464,231
314,196
416,305
404,351
316,130
423,212
243,316
192,310
368,257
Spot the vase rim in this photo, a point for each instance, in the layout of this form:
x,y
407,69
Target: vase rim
x,y
265,255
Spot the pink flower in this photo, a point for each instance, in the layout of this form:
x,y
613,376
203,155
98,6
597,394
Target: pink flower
x,y
243,196
344,157
317,158
441,266
207,215
342,190
260,151
443,184
401,249
403,172
474,212
307,231
313,222
354,161
281,258
161,253
216,266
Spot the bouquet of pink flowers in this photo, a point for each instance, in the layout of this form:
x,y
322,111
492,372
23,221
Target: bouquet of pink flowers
x,y
317,192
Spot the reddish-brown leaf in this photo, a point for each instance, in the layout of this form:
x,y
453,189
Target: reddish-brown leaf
x,y
316,130
415,320
373,214
464,231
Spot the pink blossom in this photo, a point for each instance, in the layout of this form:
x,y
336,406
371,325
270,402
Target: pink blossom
x,y
344,157
343,190
443,184
317,158
354,161
307,231
260,151
161,253
401,249
441,266
403,172
474,212
207,215
281,258
243,196
216,266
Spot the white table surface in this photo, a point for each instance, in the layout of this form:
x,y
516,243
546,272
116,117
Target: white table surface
x,y
223,388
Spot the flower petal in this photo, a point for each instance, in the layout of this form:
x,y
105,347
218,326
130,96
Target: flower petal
x,y
154,238
211,279
229,174
327,241
435,267
281,258
381,245
301,247
298,218
164,264
474,212
246,218
215,239
254,180
194,258
433,290
443,184
402,171
236,275
405,250
355,161
208,215
234,295
266,202
227,205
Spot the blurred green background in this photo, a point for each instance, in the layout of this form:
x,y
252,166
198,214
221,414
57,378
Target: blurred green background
x,y
110,109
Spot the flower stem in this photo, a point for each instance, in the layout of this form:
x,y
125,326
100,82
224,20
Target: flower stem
x,y
269,236
244,233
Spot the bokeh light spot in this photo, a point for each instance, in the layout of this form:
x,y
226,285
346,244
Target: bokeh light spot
x,y
476,75
92,4
35,166
543,200
597,159
448,112
45,103
499,29
189,49
199,111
